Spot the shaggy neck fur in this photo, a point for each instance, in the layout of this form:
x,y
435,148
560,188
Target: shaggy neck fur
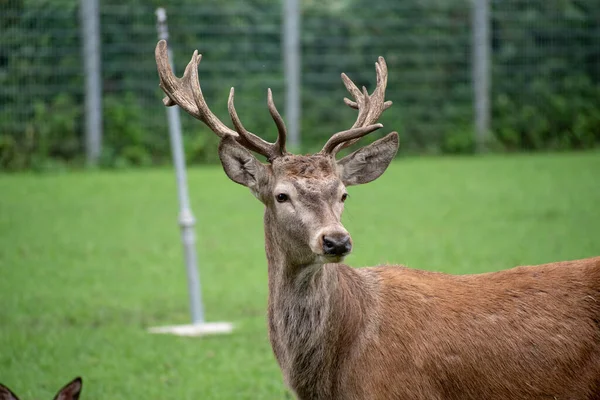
x,y
313,310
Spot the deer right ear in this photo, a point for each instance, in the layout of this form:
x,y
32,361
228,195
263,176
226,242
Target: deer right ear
x,y
240,165
70,391
7,394
368,163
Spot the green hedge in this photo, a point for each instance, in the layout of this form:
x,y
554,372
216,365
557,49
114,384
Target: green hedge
x,y
545,79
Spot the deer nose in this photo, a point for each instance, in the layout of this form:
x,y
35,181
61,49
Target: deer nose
x,y
337,245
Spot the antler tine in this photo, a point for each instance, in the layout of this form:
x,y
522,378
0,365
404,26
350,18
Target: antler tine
x,y
332,145
185,91
281,130
370,107
377,99
248,139
361,103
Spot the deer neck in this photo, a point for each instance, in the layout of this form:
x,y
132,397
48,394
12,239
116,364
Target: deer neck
x,y
289,278
314,317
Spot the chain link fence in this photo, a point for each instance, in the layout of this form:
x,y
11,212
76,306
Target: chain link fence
x,y
545,73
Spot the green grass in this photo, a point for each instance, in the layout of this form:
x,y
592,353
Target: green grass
x,y
88,261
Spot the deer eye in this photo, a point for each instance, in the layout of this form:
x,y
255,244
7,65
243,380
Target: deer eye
x,y
282,197
344,197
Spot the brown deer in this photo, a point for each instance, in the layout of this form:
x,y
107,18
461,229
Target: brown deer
x,y
70,391
390,332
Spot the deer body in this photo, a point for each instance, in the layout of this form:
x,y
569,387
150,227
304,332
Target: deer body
x,y
391,332
396,333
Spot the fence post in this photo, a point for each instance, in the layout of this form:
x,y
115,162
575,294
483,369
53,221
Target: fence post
x,y
89,19
291,56
481,71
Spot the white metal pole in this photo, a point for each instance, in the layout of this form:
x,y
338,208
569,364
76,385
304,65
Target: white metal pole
x,y
481,71
90,28
186,219
291,57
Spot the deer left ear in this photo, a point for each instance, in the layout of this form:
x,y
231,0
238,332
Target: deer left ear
x,y
368,163
6,393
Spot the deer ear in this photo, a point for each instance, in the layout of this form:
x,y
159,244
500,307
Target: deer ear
x,y
368,163
70,391
7,394
240,165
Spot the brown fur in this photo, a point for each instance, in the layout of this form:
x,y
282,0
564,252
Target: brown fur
x,y
305,167
393,332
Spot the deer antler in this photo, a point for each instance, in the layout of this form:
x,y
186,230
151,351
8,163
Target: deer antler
x,y
345,136
186,93
370,108
253,142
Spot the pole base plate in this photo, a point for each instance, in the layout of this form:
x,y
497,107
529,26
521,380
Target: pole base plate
x,y
203,329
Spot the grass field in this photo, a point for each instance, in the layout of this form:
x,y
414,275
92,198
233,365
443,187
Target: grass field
x,y
88,261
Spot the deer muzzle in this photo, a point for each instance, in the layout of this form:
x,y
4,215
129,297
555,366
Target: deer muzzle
x,y
337,244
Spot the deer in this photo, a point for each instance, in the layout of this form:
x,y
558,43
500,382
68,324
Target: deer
x,y
389,331
70,391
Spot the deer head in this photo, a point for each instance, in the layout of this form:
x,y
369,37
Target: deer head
x,y
303,194
70,391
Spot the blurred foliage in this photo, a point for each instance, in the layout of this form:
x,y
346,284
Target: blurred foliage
x,y
546,94
545,79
